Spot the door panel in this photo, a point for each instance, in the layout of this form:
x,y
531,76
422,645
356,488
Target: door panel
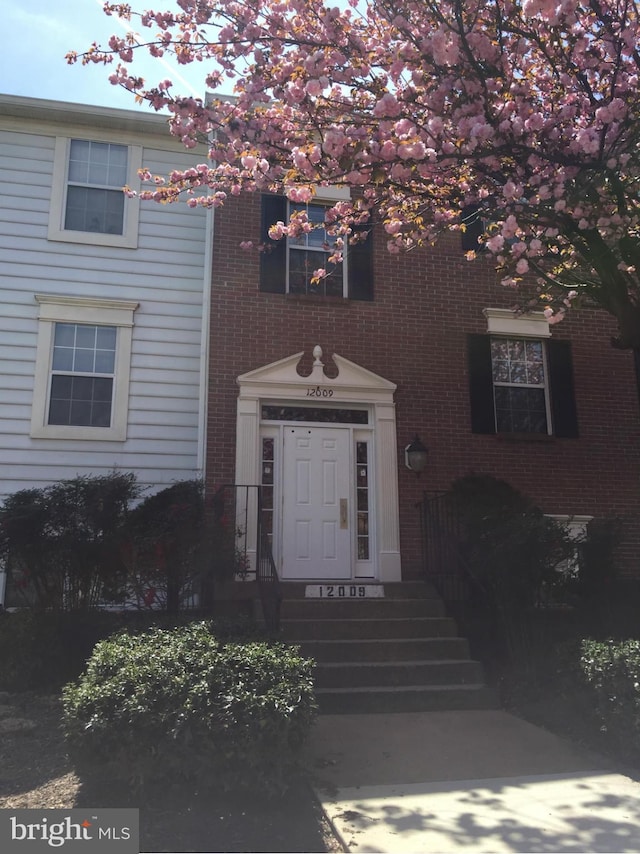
x,y
316,484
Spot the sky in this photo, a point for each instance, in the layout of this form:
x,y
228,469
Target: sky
x,y
38,34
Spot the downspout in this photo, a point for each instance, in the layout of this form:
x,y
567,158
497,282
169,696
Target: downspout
x,y
205,339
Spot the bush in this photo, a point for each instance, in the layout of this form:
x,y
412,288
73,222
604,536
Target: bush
x,y
511,551
612,669
180,702
60,543
177,545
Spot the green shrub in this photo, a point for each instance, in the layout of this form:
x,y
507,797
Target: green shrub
x,y
510,550
171,703
60,543
176,544
612,669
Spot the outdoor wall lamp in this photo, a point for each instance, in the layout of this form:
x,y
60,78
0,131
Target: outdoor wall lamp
x,y
415,455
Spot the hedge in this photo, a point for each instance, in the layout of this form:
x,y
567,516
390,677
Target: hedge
x,y
181,703
612,670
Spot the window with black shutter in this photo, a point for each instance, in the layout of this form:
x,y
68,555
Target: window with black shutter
x,y
288,265
521,385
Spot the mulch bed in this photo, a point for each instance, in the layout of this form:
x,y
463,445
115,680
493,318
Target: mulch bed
x,y
35,772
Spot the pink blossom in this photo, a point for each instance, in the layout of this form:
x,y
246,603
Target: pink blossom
x,y
387,106
509,227
494,244
393,227
277,231
412,151
300,194
389,150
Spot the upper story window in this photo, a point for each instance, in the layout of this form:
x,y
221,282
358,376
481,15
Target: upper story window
x,y
87,200
97,174
520,379
81,387
520,390
312,252
287,266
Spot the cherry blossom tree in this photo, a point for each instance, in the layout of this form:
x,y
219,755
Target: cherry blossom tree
x,y
524,115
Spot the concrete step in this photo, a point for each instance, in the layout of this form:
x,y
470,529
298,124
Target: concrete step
x,y
386,649
322,609
409,698
361,629
398,673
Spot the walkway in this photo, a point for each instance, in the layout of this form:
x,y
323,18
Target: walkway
x,y
473,781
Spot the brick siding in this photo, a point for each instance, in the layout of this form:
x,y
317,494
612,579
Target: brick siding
x,y
414,334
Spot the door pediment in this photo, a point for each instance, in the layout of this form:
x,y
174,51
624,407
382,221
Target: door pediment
x,y
281,379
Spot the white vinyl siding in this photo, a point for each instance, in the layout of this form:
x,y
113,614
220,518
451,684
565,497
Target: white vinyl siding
x,y
164,275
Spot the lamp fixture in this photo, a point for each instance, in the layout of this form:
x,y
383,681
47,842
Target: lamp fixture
x,y
415,455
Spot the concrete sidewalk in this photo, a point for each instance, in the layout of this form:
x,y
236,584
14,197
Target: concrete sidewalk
x,y
474,781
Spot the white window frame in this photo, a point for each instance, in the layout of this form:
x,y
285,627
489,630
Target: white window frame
x,y
505,323
323,197
95,312
57,231
544,385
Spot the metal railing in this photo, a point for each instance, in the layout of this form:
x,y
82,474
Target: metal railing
x,y
267,575
242,505
443,563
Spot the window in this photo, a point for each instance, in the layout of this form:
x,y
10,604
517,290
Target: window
x,y
97,174
311,252
87,202
519,385
82,375
81,388
521,380
287,266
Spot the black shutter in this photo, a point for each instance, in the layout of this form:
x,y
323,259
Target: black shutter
x,y
360,261
564,417
483,419
471,216
273,261
636,362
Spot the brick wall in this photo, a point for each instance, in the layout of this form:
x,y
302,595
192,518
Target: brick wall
x,y
414,334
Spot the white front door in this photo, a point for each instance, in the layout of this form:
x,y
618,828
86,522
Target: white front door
x,y
316,529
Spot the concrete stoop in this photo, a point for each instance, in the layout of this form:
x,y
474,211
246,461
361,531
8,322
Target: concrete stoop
x,y
397,653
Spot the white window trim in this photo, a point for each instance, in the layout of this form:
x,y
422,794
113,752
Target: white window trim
x,y
506,323
57,231
545,385
102,312
321,201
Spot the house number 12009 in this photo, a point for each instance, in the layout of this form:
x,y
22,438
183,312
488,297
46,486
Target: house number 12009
x,y
319,392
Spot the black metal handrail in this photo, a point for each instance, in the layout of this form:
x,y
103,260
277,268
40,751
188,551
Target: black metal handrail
x,y
267,574
253,544
444,564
